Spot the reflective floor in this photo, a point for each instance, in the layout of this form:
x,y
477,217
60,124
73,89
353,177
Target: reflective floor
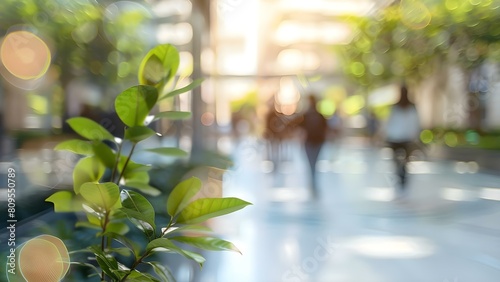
x,y
446,229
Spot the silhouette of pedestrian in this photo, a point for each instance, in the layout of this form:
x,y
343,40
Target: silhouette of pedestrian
x,y
315,127
402,132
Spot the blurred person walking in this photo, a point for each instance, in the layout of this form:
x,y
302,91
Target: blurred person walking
x,y
402,133
315,127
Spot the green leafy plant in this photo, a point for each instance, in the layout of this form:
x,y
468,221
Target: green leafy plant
x,y
112,205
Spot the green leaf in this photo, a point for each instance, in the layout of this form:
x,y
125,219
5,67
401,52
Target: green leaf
x,y
143,187
65,201
173,115
136,276
136,176
134,201
134,104
187,88
127,242
162,271
182,194
159,65
117,228
164,243
169,151
104,153
89,129
88,169
206,208
122,251
207,243
188,229
76,146
86,224
109,265
138,133
103,195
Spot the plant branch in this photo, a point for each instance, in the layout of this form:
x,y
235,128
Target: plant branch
x,y
117,161
136,263
126,163
103,240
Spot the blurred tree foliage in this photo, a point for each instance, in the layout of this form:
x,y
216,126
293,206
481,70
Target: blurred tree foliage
x,y
412,38
99,40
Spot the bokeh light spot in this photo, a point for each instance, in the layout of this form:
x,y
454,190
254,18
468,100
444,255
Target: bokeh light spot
x,y
426,136
25,55
451,139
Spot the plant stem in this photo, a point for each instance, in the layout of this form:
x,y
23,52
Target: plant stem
x,y
136,263
103,240
126,163
117,161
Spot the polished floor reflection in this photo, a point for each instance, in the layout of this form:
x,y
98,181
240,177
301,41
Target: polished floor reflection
x,y
445,230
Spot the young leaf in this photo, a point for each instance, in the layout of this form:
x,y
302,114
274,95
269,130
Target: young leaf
x,y
187,88
65,201
88,169
207,243
138,133
164,243
206,208
103,195
173,115
134,201
104,153
76,146
182,194
134,104
159,65
89,129
169,151
143,187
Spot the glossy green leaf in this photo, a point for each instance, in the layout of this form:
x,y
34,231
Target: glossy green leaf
x,y
65,201
162,271
199,229
138,133
134,104
89,129
169,151
143,187
181,195
202,209
89,169
104,153
173,115
136,202
159,65
102,195
76,146
207,243
184,89
166,244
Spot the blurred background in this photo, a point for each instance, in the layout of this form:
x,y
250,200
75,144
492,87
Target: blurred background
x,y
261,59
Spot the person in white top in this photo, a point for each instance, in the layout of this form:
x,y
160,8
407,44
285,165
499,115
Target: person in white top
x,y
402,132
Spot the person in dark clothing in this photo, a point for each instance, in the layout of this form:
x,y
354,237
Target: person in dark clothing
x,y
315,127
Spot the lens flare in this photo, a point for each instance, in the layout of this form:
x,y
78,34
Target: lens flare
x,y
25,55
